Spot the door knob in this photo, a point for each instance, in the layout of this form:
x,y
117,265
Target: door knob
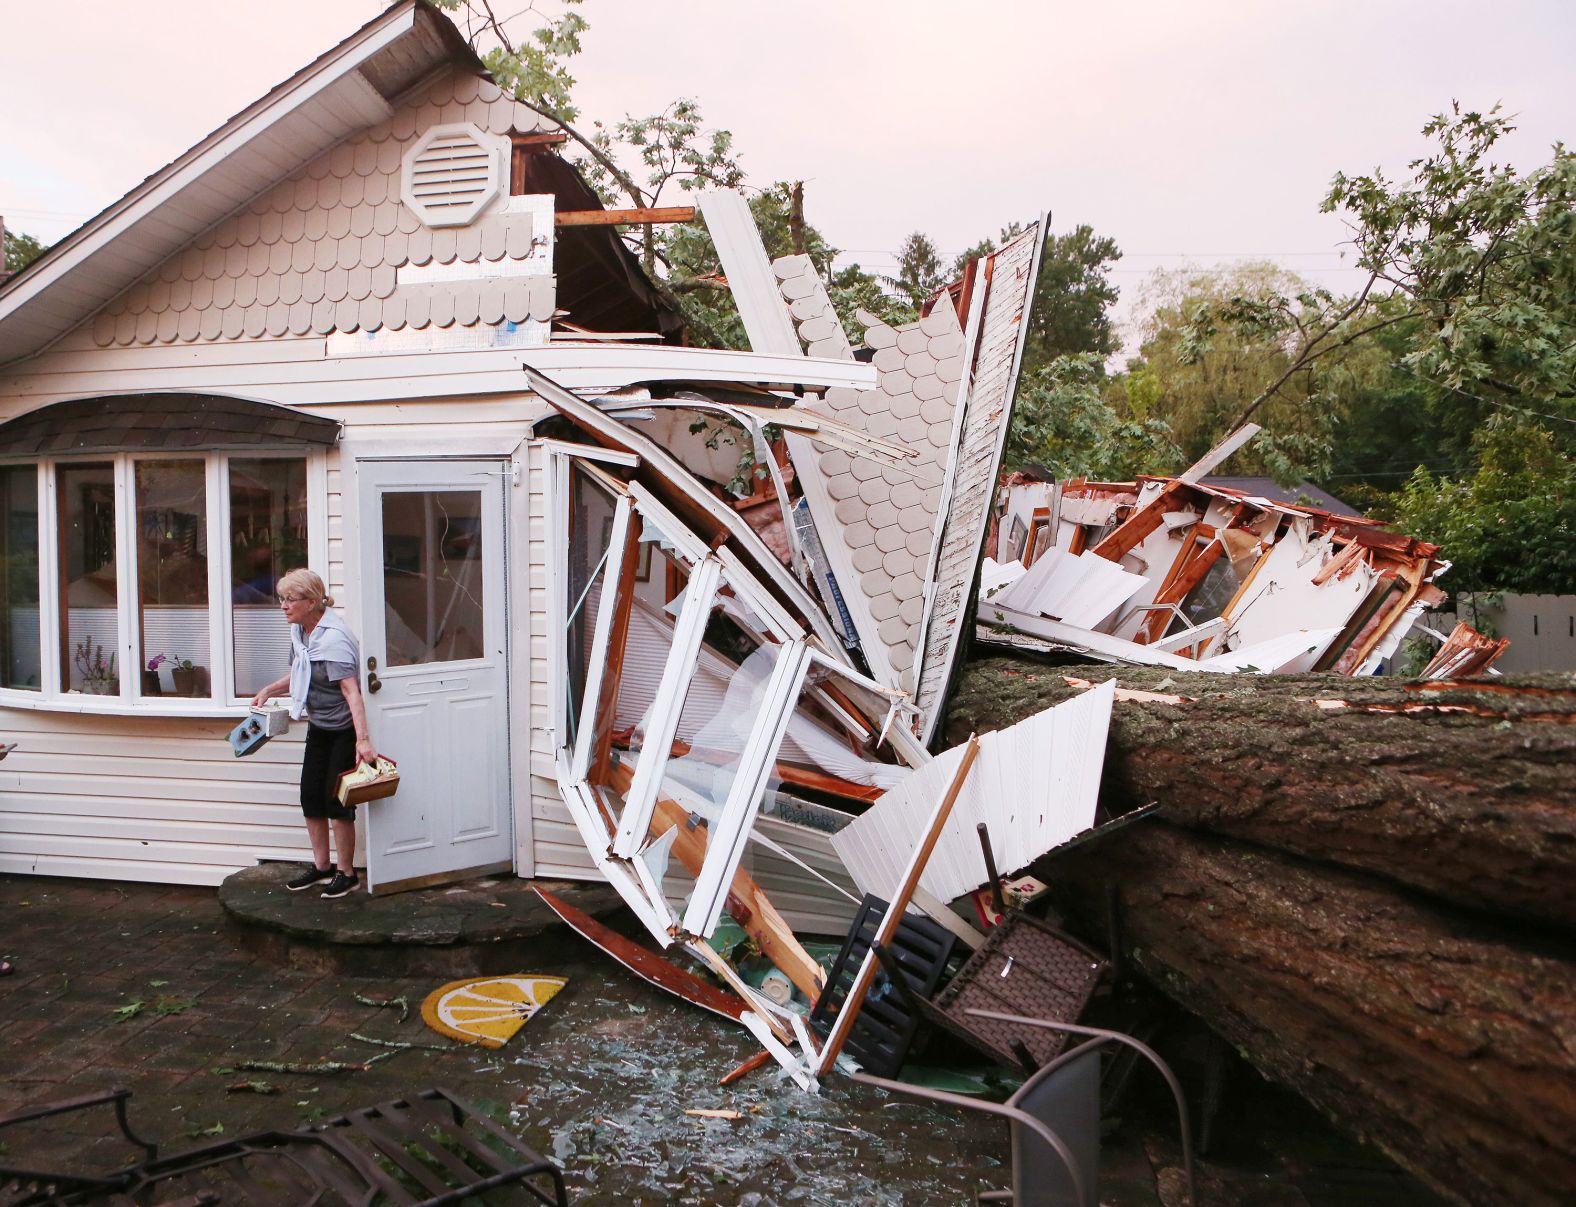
x,y
374,684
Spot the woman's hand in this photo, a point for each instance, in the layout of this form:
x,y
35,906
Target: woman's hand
x,y
260,698
365,751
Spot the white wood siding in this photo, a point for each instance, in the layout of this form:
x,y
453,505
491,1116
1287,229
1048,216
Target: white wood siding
x,y
159,799
162,799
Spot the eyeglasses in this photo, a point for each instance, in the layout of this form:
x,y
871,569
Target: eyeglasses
x,y
290,599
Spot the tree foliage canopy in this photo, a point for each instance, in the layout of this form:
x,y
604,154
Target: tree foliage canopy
x,y
20,251
1457,357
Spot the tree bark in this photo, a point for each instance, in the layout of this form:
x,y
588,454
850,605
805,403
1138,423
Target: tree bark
x,y
1444,1038
1374,902
1468,795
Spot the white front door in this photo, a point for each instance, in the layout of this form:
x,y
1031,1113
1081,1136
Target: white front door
x,y
436,653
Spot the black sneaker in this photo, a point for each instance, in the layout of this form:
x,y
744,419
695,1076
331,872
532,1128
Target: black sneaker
x,y
308,878
339,886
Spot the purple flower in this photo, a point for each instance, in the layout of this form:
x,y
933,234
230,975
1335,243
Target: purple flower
x,y
157,661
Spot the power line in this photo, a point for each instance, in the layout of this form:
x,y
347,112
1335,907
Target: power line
x,y
1492,402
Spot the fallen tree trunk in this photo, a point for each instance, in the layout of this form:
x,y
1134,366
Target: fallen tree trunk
x,y
1447,1040
1464,791
1345,894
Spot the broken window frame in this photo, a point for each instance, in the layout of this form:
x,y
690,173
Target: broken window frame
x,y
616,849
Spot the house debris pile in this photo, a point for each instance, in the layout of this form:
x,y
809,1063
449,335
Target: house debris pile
x,y
761,588
1182,574
761,593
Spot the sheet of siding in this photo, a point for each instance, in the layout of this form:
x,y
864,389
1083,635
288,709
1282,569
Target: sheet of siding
x,y
559,852
143,798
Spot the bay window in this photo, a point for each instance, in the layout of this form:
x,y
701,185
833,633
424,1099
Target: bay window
x,y
145,581
20,650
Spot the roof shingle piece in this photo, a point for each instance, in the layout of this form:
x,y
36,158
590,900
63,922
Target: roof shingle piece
x,y
810,308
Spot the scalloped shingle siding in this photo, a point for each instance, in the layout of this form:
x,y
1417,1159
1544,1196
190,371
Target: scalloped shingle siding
x,y
885,514
810,307
320,251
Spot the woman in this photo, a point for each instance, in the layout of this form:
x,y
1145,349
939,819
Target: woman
x,y
325,687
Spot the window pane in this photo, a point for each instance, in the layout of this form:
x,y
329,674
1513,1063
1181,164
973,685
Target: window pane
x,y
172,575
432,575
20,651
90,630
591,510
267,537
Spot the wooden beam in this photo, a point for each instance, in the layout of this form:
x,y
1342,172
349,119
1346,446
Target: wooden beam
x,y
547,138
746,902
607,701
667,213
1133,531
1199,551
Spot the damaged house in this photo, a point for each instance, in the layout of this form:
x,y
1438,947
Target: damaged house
x,y
679,618
375,323
1191,575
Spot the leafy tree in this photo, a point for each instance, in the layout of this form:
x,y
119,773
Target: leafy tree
x,y
1197,390
1471,298
852,288
1481,258
1062,424
1510,524
919,271
982,249
20,251
1073,297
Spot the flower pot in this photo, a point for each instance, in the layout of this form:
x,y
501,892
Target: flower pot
x,y
190,681
101,687
150,684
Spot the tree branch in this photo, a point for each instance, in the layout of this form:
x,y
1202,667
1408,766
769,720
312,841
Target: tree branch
x,y
1307,357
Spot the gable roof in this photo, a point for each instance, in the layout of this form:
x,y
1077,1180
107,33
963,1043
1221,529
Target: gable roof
x,y
344,90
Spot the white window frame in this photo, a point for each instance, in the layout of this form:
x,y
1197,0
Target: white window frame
x,y
53,694
617,851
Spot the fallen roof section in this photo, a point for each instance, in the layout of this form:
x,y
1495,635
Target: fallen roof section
x,y
1201,577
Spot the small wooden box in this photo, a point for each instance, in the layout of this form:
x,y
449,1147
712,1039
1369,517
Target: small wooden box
x,y
368,782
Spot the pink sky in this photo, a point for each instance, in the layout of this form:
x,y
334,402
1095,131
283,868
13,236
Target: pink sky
x,y
1202,131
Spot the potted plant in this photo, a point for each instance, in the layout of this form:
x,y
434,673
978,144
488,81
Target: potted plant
x,y
190,679
99,677
150,675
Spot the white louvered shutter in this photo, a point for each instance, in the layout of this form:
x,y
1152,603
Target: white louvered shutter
x,y
451,174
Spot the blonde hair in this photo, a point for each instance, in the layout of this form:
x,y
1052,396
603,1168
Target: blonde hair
x,y
307,585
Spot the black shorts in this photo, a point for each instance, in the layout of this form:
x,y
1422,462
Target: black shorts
x,y
328,753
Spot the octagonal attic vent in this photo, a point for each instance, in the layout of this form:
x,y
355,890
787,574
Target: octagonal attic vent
x,y
450,174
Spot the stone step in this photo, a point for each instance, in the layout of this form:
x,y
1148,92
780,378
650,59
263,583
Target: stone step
x,y
492,924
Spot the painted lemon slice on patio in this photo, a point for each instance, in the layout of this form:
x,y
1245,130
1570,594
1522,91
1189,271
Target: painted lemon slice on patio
x,y
487,1010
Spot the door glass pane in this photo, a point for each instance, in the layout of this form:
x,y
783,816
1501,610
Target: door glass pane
x,y
20,649
172,576
432,576
89,625
267,537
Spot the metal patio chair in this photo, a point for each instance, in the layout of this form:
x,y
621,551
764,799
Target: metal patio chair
x,y
421,1151
1054,1118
